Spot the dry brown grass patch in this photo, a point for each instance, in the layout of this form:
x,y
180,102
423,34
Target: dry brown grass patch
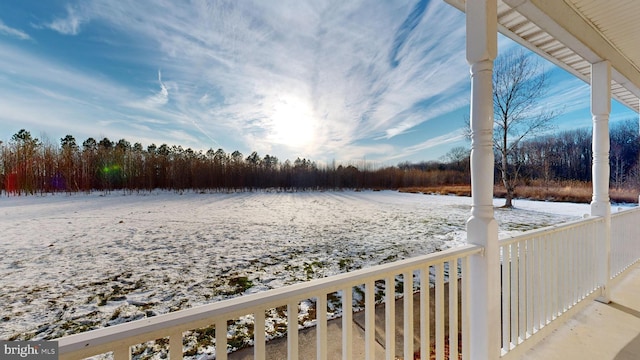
x,y
570,191
458,190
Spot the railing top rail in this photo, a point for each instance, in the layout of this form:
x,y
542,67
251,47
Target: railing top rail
x,y
626,211
549,230
185,319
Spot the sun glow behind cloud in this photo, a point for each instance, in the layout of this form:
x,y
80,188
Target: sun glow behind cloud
x,y
293,123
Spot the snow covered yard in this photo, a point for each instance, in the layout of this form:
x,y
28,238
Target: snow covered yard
x,y
73,263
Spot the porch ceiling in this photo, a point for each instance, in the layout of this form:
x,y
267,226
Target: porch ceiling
x,y
573,34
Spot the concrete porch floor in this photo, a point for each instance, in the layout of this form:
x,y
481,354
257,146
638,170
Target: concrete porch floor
x,y
599,331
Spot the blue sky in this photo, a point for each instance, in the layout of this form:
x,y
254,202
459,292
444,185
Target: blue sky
x,y
385,81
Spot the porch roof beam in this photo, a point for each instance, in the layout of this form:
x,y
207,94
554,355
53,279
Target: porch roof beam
x,y
565,29
563,23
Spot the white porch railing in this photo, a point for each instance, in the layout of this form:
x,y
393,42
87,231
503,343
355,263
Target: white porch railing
x,y
625,240
544,274
424,272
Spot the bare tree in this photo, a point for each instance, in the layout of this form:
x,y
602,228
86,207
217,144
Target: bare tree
x,y
624,151
458,158
518,85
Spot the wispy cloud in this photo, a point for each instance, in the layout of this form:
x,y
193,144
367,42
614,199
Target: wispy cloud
x,y
404,31
449,138
56,77
565,96
58,99
9,31
364,70
69,25
155,101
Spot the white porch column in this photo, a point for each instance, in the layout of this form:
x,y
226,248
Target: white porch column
x,y
482,228
600,204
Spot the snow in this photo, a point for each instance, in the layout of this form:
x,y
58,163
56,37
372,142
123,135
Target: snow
x,y
72,263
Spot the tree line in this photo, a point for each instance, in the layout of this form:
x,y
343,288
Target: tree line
x,y
568,155
558,158
30,166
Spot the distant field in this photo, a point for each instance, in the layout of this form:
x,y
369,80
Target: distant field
x,y
74,263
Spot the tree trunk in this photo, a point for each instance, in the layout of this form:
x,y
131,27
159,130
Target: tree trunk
x,y
508,199
505,181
